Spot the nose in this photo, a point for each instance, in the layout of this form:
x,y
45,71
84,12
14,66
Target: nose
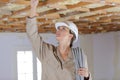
x,y
58,31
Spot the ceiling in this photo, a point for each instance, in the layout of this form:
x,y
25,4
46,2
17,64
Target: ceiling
x,y
91,16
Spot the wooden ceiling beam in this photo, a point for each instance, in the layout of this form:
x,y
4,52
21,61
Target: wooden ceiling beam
x,y
90,17
78,9
101,8
113,1
4,1
80,4
41,3
52,16
104,1
48,2
47,12
87,14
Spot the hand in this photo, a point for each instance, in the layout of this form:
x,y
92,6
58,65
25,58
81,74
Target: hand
x,y
33,4
83,72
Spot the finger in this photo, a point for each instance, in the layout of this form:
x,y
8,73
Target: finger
x,y
83,69
81,73
34,2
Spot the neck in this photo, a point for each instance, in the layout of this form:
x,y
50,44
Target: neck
x,y
64,48
64,51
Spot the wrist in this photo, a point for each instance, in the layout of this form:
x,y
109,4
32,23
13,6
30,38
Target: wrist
x,y
32,14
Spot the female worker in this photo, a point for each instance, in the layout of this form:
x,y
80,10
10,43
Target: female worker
x,y
62,62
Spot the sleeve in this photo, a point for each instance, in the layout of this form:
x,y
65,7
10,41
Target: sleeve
x,y
36,40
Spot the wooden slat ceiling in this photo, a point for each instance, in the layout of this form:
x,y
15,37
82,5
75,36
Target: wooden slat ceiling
x,y
91,16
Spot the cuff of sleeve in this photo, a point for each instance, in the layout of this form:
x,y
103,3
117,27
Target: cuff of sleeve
x,y
31,17
87,78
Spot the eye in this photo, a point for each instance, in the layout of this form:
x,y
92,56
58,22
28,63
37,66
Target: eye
x,y
58,28
63,28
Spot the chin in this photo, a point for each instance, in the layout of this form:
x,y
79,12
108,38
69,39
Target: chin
x,y
58,38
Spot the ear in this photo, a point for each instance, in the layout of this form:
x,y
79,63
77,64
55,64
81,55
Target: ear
x,y
71,36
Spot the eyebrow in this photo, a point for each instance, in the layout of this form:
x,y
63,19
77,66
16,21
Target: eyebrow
x,y
63,27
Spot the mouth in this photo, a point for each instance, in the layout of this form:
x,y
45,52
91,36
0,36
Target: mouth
x,y
57,34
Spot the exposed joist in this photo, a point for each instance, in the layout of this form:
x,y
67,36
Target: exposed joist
x,y
102,11
48,2
81,3
113,1
91,16
4,1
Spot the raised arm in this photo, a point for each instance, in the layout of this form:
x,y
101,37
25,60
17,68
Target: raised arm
x,y
33,4
32,31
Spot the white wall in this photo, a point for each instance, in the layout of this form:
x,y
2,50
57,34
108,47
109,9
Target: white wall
x,y
9,43
104,56
103,51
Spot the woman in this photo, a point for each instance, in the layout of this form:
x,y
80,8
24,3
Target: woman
x,y
58,63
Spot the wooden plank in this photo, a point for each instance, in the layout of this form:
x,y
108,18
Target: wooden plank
x,y
52,16
107,20
113,1
48,2
73,10
47,12
41,3
87,14
101,8
22,2
4,1
80,4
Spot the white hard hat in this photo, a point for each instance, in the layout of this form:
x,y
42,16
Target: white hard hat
x,y
70,25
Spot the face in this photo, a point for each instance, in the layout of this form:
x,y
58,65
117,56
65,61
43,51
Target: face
x,y
63,33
